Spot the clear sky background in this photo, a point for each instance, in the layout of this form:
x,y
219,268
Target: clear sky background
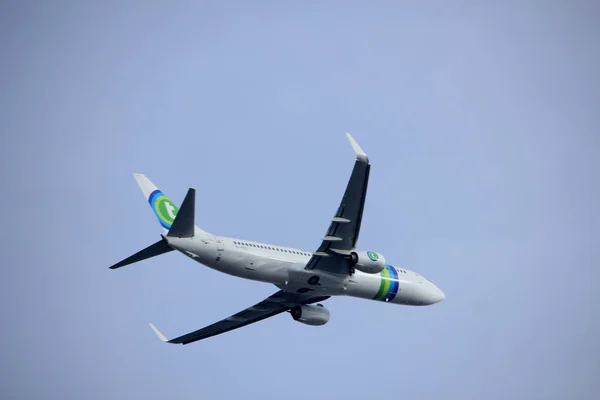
x,y
481,122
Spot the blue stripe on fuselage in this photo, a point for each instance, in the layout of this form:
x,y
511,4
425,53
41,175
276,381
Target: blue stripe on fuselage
x,y
394,284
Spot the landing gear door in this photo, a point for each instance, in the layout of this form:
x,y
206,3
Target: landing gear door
x,y
303,281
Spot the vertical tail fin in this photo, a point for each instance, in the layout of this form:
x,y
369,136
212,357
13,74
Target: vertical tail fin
x,y
166,211
175,222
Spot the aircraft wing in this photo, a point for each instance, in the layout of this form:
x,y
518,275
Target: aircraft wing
x,y
271,306
342,235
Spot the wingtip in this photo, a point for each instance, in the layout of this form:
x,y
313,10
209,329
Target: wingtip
x,y
158,333
360,154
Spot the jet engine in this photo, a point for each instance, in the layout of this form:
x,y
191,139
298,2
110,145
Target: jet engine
x,y
310,315
367,261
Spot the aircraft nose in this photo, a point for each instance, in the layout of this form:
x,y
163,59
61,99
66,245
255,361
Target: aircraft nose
x,y
437,295
427,294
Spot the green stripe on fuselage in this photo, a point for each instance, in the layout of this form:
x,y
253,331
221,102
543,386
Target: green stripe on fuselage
x,y
384,286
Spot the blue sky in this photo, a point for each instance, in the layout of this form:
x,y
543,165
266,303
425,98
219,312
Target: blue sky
x,y
481,122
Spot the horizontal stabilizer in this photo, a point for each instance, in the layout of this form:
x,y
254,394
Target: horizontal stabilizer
x,y
156,249
184,223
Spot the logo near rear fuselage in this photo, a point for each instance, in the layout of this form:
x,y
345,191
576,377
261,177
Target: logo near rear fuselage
x,y
164,208
373,256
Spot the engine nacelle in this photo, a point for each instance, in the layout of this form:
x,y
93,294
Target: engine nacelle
x,y
368,261
310,315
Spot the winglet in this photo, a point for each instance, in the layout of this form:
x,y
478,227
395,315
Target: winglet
x,y
360,154
157,332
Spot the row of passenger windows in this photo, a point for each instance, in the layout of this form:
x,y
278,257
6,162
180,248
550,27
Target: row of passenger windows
x,y
259,246
401,270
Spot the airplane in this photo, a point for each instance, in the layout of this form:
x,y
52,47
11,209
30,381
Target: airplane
x,y
303,277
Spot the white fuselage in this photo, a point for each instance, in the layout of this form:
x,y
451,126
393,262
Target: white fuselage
x,y
284,267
